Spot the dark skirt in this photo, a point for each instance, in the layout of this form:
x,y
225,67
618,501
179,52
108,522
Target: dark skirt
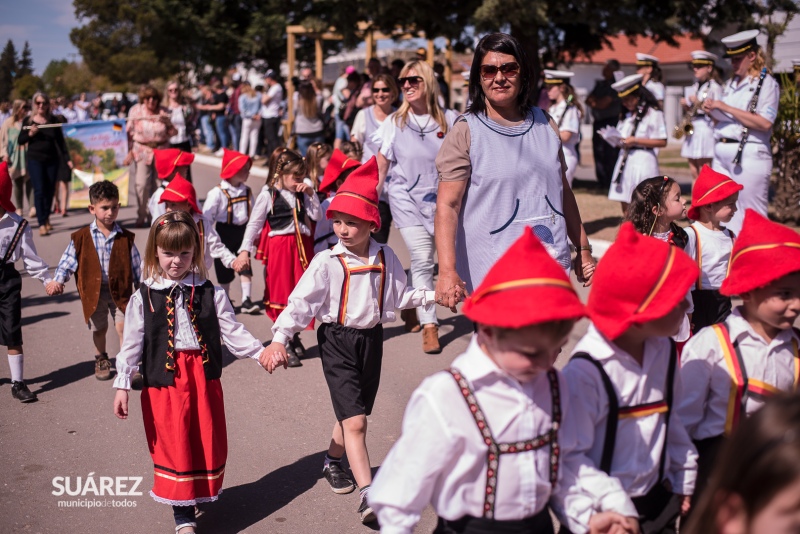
x,y
710,307
10,306
231,236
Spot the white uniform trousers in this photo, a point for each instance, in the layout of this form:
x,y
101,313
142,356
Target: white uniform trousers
x,y
753,172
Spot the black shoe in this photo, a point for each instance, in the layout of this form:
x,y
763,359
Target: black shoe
x,y
292,359
249,307
365,512
137,382
338,478
21,392
298,347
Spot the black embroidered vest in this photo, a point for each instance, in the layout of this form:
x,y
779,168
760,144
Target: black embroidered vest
x,y
154,360
282,214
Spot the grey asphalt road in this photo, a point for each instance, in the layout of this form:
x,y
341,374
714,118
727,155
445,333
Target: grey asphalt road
x,y
279,425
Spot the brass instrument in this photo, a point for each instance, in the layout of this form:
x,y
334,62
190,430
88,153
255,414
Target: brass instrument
x,y
685,126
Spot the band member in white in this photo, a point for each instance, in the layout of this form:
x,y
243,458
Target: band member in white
x,y
698,128
648,67
744,117
567,111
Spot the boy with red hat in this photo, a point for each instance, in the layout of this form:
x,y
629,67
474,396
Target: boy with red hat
x,y
339,290
623,378
16,242
338,169
181,196
729,369
228,207
709,242
490,442
169,163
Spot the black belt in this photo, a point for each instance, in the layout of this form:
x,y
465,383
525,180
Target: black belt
x,y
726,140
539,523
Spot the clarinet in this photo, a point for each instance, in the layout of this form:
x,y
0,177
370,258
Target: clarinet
x,y
566,109
752,109
640,113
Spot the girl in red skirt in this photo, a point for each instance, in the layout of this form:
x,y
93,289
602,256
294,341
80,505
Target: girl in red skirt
x,y
186,319
283,213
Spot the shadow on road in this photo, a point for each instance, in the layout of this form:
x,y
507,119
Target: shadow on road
x,y
64,376
241,507
42,317
28,302
592,227
461,326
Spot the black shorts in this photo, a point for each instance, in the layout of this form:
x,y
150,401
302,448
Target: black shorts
x,y
10,306
231,236
351,360
710,307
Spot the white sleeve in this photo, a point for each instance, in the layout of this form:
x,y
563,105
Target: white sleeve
x,y
359,129
239,341
215,246
696,370
658,128
767,105
257,219
680,450
36,266
132,350
384,137
407,297
691,243
212,204
304,302
572,121
312,206
588,404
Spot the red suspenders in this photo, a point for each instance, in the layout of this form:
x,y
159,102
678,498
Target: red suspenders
x,y
379,268
236,200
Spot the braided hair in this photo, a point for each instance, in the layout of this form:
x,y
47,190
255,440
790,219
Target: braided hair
x,y
284,161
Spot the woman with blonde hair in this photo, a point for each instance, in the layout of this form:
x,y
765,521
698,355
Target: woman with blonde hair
x,y
250,110
308,125
182,117
408,140
14,153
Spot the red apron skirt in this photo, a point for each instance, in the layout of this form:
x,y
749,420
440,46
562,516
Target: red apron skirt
x,y
186,434
283,268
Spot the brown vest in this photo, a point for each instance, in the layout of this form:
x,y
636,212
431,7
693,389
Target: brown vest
x,y
89,276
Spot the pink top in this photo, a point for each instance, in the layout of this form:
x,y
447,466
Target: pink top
x,y
147,133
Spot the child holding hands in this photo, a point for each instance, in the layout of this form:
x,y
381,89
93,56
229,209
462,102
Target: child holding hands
x,y
176,324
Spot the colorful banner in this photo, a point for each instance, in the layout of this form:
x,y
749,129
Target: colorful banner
x,y
97,150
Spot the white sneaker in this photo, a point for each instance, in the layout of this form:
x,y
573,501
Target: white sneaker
x,y
219,153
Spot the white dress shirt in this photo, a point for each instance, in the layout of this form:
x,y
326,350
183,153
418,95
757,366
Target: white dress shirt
x,y
738,93
657,88
258,217
25,249
215,208
239,341
715,247
154,206
441,457
319,292
324,228
213,247
637,453
703,406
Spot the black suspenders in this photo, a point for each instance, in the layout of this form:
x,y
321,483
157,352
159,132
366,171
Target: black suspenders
x,y
14,241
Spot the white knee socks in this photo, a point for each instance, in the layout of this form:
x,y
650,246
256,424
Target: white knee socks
x,y
15,362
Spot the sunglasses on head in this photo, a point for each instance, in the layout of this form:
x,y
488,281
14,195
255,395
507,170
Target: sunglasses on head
x,y
412,80
381,90
509,70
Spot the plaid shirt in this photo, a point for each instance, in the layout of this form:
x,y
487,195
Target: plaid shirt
x,y
102,244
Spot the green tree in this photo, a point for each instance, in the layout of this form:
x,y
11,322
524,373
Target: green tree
x,y
26,86
25,65
8,69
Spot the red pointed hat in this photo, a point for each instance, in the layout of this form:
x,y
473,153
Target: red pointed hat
x,y
525,287
180,190
639,279
336,166
358,195
711,186
167,159
5,188
763,252
232,162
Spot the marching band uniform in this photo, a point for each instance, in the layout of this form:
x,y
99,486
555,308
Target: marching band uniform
x,y
642,163
339,166
487,451
755,168
655,87
568,118
700,145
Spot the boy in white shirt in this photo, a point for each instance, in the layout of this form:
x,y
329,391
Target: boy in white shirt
x,y
339,289
714,197
169,162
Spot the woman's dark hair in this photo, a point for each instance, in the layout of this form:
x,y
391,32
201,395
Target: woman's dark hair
x,y
645,96
503,44
656,74
650,193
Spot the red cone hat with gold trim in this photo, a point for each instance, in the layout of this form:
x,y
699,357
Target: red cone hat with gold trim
x,y
167,159
358,195
232,162
711,186
180,190
336,166
5,189
639,279
763,252
525,287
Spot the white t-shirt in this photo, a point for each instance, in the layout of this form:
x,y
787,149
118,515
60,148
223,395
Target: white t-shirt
x,y
272,109
715,248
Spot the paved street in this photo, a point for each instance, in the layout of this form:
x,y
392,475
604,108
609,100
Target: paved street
x,y
278,426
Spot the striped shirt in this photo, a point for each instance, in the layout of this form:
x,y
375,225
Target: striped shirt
x,y
68,263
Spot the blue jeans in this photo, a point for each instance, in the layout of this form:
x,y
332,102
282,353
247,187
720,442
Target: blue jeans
x,y
43,177
235,129
342,129
221,123
208,131
306,140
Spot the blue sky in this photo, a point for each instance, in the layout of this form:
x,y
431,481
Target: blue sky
x,y
45,24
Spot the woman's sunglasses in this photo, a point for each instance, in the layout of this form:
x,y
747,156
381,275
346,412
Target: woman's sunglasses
x,y
509,70
381,90
40,103
413,81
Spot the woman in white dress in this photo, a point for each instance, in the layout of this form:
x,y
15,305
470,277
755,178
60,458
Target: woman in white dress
x,y
647,66
643,131
698,147
567,111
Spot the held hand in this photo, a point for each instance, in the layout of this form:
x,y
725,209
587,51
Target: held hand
x,y
630,142
71,166
121,404
709,105
273,355
450,290
686,504
613,523
243,259
34,129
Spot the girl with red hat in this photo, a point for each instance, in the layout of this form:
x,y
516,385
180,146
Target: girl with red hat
x,y
624,381
338,169
490,443
709,242
228,207
169,163
339,290
730,368
283,215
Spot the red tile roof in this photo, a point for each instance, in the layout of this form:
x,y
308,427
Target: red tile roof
x,y
623,51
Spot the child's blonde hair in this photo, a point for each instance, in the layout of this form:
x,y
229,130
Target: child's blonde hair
x,y
174,231
316,153
285,161
352,149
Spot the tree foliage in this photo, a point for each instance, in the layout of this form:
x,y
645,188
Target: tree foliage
x,y
8,68
25,65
